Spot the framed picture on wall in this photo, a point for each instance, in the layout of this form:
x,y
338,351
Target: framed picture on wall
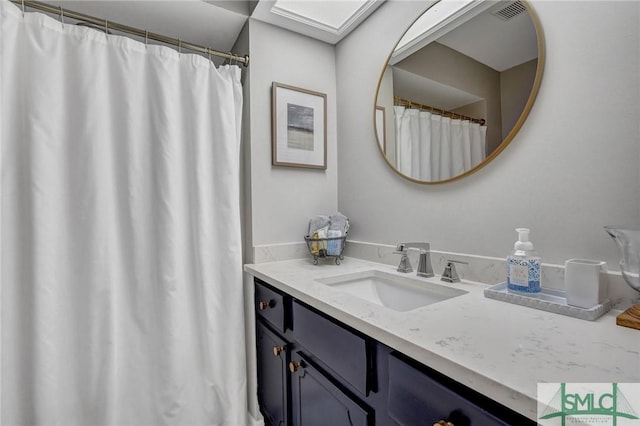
x,y
381,130
298,127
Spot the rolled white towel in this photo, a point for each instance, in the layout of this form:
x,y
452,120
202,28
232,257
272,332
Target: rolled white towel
x,y
339,222
318,222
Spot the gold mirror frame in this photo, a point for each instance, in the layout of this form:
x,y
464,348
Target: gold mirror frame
x,y
516,128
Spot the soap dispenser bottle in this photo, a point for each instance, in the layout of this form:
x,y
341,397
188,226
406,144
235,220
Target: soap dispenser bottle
x,y
523,266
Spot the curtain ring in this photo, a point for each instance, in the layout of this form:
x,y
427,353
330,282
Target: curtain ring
x,y
106,27
179,46
62,16
146,37
23,8
209,53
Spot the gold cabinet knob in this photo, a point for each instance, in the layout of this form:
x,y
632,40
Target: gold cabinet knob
x,y
443,423
265,304
277,350
294,366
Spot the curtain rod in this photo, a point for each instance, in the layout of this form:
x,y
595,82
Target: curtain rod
x,y
439,111
107,25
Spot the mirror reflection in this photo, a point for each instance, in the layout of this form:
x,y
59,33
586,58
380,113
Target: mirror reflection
x,y
457,87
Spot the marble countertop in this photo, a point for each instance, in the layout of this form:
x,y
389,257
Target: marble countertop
x,y
499,349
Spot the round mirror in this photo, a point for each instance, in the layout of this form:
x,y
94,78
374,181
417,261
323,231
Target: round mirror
x,y
457,88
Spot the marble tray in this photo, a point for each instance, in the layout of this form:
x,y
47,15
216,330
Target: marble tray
x,y
549,300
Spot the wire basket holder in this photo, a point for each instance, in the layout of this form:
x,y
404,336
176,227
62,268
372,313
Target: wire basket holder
x,y
331,247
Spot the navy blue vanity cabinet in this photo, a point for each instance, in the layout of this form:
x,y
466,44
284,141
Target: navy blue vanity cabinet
x,y
273,352
315,370
420,396
311,369
273,387
318,401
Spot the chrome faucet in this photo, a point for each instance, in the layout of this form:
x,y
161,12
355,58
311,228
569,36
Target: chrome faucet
x,y
424,263
450,274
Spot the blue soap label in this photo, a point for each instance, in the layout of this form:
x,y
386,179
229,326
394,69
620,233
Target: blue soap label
x,y
523,274
519,275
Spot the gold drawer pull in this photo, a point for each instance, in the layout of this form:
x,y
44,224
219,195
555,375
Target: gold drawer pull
x,y
277,350
294,365
443,423
266,304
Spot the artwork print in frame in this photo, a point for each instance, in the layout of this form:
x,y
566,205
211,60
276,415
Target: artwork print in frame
x,y
299,127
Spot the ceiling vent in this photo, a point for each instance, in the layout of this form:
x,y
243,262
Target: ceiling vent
x,y
510,11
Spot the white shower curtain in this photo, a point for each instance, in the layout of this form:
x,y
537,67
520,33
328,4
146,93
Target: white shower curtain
x,y
431,147
121,252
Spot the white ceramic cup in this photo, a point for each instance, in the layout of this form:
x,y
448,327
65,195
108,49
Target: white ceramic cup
x,y
585,282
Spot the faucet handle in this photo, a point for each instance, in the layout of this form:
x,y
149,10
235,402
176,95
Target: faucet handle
x,y
400,249
450,274
405,263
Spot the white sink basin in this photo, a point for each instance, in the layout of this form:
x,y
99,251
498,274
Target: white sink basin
x,y
392,291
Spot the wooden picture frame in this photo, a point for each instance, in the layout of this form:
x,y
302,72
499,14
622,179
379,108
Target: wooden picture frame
x,y
298,127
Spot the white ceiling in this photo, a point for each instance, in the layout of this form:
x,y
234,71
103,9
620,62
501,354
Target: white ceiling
x,y
326,20
476,32
217,23
495,42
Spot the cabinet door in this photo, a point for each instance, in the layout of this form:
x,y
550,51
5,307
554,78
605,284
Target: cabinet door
x,y
416,399
316,401
273,386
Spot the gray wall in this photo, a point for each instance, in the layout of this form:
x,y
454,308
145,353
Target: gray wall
x,y
282,198
277,201
572,168
515,87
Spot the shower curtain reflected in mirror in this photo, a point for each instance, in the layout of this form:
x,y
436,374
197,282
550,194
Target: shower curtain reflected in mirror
x,y
121,254
430,147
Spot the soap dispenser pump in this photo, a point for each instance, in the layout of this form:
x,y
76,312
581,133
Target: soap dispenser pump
x,y
523,266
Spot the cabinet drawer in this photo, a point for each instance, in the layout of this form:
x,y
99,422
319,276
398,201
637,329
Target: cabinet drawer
x,y
269,304
317,401
341,350
415,398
